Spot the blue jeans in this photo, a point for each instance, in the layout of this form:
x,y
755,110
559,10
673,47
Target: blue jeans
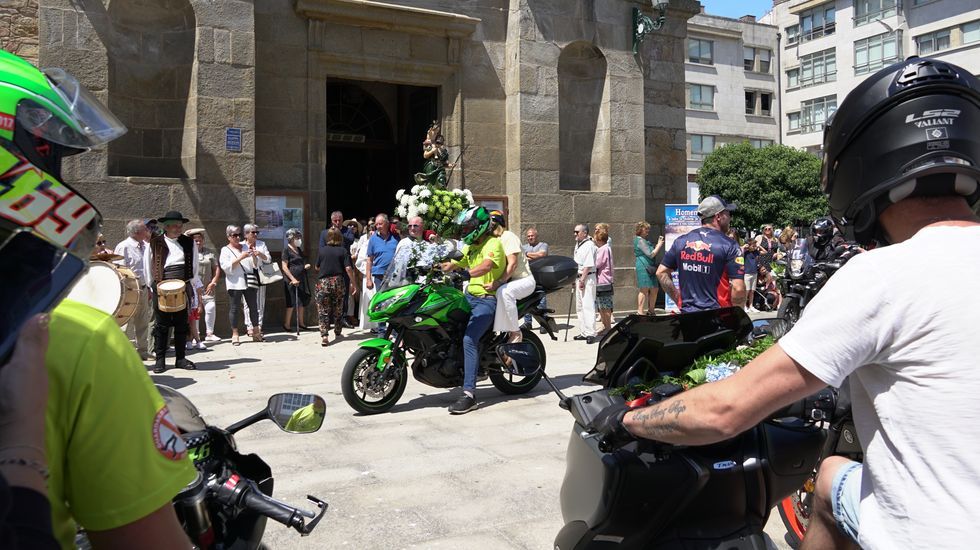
x,y
846,499
542,304
481,318
382,327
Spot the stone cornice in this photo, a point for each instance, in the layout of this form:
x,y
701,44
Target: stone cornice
x,y
713,31
378,15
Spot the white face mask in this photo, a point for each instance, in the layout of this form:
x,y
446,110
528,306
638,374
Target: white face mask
x,y
298,243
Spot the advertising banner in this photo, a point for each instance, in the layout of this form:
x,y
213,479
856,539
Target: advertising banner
x,y
679,219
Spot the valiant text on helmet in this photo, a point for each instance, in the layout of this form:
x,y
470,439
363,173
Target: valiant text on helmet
x,y
933,117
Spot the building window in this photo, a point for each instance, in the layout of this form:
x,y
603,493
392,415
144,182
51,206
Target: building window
x,y
793,123
756,59
700,51
933,42
792,35
701,146
815,68
818,22
701,97
875,52
760,143
758,103
814,113
971,32
866,11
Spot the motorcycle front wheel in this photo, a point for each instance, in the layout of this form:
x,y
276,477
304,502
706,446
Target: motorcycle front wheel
x,y
514,384
794,510
789,310
368,390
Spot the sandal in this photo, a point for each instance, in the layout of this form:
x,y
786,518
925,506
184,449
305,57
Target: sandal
x,y
235,341
324,342
257,336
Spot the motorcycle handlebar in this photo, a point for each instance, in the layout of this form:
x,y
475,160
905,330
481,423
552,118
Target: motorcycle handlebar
x,y
285,514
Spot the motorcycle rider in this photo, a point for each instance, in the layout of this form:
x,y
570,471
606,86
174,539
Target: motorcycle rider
x,y
484,261
900,168
114,459
822,240
711,265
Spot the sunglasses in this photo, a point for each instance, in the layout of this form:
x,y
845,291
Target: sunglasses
x,y
414,225
235,235
253,232
102,243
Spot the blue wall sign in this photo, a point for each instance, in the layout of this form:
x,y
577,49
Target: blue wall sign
x,y
233,140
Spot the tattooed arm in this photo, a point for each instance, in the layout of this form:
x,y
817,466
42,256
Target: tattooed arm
x,y
721,410
667,283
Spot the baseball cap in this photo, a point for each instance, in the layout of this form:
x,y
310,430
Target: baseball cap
x,y
497,217
713,205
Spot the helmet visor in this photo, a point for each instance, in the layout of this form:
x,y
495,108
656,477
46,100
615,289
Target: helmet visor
x,y
93,125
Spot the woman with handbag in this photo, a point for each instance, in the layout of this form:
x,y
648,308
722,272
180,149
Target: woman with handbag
x,y
240,280
259,258
297,290
604,277
646,282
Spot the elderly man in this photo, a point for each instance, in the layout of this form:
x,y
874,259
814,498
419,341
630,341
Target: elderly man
x,y
131,249
380,251
585,251
533,250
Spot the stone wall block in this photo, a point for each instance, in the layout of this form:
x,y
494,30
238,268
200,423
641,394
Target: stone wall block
x,y
218,80
222,46
342,39
232,15
285,61
540,53
205,44
539,108
386,43
428,48
282,27
280,175
663,117
243,49
558,207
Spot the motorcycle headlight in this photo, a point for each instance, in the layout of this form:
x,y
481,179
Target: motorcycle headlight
x,y
386,303
796,267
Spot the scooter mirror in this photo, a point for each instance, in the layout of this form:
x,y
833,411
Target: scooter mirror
x,y
297,412
524,358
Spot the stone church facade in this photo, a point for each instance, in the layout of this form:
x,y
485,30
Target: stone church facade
x,y
543,101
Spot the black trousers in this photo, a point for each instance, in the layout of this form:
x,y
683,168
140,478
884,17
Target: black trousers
x,y
163,322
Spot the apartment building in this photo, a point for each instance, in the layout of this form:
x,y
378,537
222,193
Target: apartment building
x,y
826,47
731,87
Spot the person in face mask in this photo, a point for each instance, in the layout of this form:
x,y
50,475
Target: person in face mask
x,y
294,268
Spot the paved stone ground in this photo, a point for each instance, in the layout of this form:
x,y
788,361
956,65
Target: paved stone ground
x,y
416,477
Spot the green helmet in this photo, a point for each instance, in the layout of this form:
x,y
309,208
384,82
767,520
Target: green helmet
x,y
474,222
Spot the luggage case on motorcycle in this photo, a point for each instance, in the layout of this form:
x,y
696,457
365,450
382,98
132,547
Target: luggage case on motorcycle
x,y
553,272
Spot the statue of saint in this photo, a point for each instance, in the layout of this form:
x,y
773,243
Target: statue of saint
x,y
436,155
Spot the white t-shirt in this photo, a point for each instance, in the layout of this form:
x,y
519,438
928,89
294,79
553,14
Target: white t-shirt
x,y
902,322
585,255
512,245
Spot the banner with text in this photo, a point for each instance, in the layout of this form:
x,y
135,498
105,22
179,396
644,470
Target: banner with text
x,y
679,220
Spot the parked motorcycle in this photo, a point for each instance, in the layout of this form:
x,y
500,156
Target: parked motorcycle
x,y
226,506
649,494
426,314
803,278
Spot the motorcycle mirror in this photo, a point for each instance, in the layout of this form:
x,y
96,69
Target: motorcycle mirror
x,y
524,358
298,413
456,255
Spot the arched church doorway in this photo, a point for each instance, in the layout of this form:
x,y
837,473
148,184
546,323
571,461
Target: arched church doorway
x,y
374,142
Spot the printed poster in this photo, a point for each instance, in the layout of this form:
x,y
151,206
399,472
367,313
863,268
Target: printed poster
x,y
269,213
679,219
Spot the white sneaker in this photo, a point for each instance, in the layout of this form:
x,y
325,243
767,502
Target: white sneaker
x,y
200,345
212,338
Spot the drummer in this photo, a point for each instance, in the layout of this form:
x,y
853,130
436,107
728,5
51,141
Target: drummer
x,y
171,256
131,249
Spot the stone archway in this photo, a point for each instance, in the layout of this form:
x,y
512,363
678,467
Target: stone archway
x,y
151,63
583,118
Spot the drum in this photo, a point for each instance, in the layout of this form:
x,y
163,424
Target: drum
x,y
172,295
111,288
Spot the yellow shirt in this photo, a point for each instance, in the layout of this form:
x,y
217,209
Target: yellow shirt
x,y
474,255
305,420
114,454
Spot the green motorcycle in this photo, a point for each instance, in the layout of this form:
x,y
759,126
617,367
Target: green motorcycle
x,y
426,314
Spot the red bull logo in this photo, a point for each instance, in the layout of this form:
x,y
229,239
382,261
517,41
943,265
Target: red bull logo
x,y
697,245
697,257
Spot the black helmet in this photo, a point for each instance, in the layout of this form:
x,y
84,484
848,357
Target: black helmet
x,y
822,230
908,130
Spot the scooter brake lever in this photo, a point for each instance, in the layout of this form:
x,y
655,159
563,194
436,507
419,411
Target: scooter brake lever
x,y
307,528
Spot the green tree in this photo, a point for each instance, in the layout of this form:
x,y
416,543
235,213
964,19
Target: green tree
x,y
775,184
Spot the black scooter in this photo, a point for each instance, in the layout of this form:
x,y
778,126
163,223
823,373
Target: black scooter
x,y
226,506
648,494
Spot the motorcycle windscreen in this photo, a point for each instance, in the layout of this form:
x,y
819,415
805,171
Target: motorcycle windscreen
x,y
643,347
184,413
412,260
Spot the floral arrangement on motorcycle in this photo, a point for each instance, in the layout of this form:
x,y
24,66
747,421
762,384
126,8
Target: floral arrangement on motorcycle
x,y
709,368
437,207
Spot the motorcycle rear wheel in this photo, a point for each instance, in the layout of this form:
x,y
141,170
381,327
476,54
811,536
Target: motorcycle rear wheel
x,y
513,384
789,310
794,510
365,388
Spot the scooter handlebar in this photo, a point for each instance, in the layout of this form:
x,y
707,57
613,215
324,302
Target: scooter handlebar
x,y
285,514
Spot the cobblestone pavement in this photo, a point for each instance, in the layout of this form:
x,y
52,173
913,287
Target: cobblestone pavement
x,y
416,477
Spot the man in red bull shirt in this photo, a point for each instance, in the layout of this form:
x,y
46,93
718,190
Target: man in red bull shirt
x,y
709,264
